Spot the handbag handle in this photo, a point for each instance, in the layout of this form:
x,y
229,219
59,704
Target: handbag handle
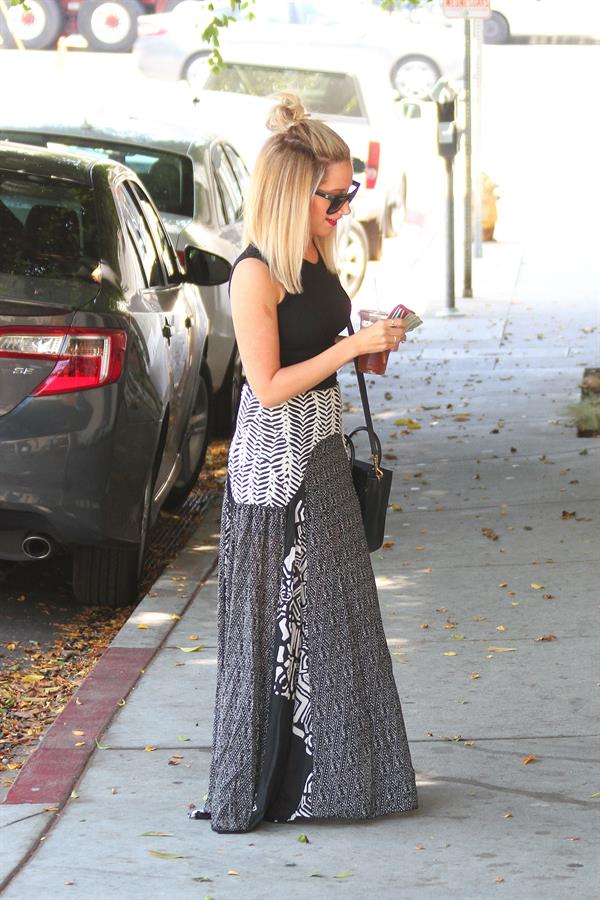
x,y
368,427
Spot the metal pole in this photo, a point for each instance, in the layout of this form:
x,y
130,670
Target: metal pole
x,y
468,263
477,83
450,298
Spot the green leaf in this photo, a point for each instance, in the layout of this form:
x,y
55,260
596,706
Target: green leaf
x,y
192,649
160,855
101,746
157,834
201,878
597,794
303,839
344,875
182,737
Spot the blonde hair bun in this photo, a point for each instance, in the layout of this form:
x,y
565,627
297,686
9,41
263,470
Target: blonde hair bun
x,y
289,111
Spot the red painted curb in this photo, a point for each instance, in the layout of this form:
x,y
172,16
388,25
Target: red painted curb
x,y
51,771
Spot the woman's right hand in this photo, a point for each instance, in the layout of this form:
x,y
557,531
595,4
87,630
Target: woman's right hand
x,y
383,335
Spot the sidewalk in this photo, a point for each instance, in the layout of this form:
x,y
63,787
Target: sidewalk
x,y
482,564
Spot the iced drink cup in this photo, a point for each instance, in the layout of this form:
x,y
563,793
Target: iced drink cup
x,y
372,363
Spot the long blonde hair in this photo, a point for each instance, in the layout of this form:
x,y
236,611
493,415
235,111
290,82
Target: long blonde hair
x,y
289,168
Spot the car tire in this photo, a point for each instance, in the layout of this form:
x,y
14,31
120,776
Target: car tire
x,y
110,576
38,27
425,73
187,72
109,24
395,212
227,400
496,29
196,440
374,234
353,256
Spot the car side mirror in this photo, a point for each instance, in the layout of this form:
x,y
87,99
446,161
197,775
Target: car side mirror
x,y
206,269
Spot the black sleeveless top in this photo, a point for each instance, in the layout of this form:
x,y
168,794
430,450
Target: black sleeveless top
x,y
310,321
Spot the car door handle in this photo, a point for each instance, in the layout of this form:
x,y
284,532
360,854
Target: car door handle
x,y
167,330
188,322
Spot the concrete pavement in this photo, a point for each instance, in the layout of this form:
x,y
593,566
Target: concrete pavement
x,y
483,562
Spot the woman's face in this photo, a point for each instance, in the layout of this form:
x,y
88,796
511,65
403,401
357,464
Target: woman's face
x,y
337,180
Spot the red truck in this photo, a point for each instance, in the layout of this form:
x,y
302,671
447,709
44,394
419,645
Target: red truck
x,y
105,24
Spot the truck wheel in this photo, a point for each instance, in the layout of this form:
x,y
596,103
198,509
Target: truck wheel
x,y
353,256
227,400
37,27
109,24
415,75
110,576
496,29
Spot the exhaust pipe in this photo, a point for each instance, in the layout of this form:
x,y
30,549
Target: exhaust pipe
x,y
37,546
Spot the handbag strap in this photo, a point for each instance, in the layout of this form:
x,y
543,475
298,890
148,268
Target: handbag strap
x,y
364,396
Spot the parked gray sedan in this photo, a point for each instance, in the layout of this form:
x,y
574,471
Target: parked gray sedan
x,y
198,183
103,378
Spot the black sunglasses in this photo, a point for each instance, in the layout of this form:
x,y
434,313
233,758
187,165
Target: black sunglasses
x,y
336,201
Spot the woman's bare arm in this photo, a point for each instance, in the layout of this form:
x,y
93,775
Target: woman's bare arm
x,y
254,299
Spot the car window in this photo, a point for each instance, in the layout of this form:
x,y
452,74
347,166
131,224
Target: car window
x,y
239,167
227,185
161,241
330,93
48,227
168,177
140,236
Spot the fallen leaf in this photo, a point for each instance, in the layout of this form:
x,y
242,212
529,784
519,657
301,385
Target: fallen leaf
x,y
396,507
499,879
79,743
503,584
149,749
193,637
419,547
233,872
424,625
457,637
529,759
597,794
143,625
200,878
501,649
468,743
303,839
536,586
571,838
182,737
500,628
450,653
568,515
344,875
157,834
78,732
100,746
160,855
192,649
489,533
32,678
547,637
387,545
549,597
508,815
475,675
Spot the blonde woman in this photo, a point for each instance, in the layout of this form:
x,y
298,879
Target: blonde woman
x,y
307,721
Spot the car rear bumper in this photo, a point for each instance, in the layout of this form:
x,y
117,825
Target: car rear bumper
x,y
69,470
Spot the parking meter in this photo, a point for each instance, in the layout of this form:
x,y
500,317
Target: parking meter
x,y
447,132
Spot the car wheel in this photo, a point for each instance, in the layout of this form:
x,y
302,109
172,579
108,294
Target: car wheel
x,y
37,24
195,443
194,69
415,76
109,24
110,576
374,234
395,213
353,256
227,400
496,29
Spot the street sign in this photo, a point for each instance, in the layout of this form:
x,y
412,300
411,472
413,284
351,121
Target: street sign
x,y
467,9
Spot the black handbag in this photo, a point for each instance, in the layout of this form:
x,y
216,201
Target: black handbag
x,y
372,482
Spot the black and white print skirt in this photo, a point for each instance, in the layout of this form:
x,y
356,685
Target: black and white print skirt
x,y
307,722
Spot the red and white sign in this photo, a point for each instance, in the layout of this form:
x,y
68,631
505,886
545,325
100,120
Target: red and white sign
x,y
467,9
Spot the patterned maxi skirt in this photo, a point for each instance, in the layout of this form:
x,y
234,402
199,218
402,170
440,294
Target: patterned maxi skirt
x,y
307,720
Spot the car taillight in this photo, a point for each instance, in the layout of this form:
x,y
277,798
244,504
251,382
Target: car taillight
x,y
181,258
84,357
372,167
149,29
